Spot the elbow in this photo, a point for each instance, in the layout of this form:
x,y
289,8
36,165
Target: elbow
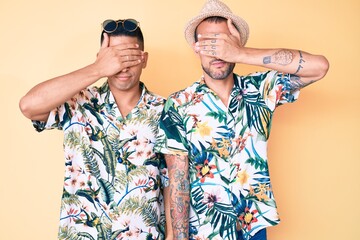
x,y
323,67
25,107
29,110
34,108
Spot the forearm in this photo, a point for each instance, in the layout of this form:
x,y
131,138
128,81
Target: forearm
x,y
169,231
179,195
46,96
305,66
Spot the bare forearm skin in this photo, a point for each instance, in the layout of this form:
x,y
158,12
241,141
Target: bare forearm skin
x,y
44,97
305,67
178,168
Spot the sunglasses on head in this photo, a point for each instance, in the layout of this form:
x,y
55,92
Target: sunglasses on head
x,y
129,25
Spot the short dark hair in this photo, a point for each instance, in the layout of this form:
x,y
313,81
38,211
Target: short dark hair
x,y
120,31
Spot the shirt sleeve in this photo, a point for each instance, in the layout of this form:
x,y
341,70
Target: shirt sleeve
x,y
57,117
286,93
164,174
275,88
172,135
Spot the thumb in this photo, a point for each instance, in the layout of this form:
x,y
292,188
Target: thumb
x,y
233,30
105,42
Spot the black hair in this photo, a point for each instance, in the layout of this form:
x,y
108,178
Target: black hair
x,y
120,31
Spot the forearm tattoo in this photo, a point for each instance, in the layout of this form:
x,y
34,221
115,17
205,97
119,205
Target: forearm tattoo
x,y
179,194
296,83
281,57
301,60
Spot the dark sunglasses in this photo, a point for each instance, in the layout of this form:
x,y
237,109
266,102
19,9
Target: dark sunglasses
x,y
129,25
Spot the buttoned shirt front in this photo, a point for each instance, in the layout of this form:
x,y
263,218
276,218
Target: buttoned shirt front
x,y
227,151
112,184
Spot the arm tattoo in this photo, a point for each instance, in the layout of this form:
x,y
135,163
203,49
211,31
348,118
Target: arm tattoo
x,y
281,57
178,168
301,60
296,83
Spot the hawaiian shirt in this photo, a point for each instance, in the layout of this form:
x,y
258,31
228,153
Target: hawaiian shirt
x,y
113,178
227,149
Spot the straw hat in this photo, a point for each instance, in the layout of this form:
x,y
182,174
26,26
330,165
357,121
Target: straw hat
x,y
216,8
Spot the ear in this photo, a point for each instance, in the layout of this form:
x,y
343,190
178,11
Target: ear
x,y
146,56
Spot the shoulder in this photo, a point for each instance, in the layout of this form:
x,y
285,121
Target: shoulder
x,y
257,79
154,97
184,96
93,92
260,76
153,100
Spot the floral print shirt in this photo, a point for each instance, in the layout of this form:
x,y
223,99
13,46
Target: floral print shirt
x,y
113,178
227,150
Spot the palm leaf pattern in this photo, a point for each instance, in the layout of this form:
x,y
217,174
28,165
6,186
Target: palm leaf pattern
x,y
111,168
226,147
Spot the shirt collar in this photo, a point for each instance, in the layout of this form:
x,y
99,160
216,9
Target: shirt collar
x,y
108,98
203,88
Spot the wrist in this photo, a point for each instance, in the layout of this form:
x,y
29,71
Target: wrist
x,y
242,55
94,72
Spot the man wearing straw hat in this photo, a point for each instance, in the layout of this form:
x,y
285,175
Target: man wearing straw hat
x,y
214,133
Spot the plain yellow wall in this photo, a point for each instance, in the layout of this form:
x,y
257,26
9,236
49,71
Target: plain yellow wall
x,y
314,146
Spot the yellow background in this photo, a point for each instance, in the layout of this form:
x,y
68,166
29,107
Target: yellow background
x,y
314,146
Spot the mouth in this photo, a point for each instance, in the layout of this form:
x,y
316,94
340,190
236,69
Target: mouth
x,y
218,63
123,76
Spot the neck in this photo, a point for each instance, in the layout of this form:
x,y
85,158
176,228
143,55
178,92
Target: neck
x,y
222,87
126,100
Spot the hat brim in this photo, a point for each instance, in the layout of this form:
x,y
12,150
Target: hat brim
x,y
239,23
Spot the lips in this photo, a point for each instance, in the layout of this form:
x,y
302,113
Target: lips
x,y
123,76
218,63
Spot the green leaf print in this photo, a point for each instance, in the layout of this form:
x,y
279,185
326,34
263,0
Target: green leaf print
x,y
197,195
109,159
107,190
90,195
115,234
124,177
173,121
108,156
259,117
91,165
224,216
85,235
258,163
74,141
220,116
67,115
69,199
141,206
70,233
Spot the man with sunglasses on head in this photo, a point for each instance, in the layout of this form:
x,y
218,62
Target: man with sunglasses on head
x,y
214,133
113,185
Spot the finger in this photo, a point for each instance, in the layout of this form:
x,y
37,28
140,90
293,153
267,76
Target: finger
x,y
127,46
233,30
105,42
131,63
134,54
133,58
211,53
209,42
210,36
